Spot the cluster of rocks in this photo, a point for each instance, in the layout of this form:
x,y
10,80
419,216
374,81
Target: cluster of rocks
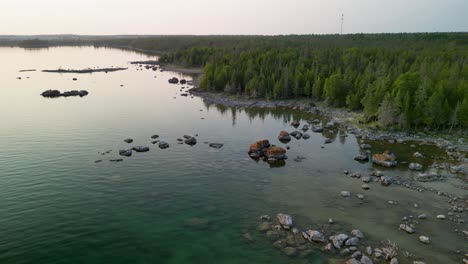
x,y
293,242
187,139
263,149
175,80
56,93
430,177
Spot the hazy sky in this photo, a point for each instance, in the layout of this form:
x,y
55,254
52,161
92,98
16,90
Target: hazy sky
x,y
230,16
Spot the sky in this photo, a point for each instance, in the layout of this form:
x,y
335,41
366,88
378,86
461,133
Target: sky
x,y
230,17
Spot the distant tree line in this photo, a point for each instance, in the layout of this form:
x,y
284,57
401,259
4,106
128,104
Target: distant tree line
x,y
397,80
403,80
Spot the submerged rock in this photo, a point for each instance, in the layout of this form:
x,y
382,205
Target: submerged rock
x,y
263,227
216,145
128,140
305,136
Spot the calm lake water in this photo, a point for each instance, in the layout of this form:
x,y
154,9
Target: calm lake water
x,y
184,204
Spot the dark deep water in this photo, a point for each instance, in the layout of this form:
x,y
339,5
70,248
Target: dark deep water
x,y
183,204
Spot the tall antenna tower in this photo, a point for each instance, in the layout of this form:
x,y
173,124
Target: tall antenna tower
x,y
342,22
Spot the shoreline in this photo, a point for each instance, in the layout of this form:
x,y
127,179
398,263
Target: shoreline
x,y
444,140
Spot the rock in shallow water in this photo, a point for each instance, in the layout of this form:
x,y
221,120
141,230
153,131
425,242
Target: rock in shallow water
x,y
125,152
415,167
424,239
338,240
386,159
141,149
216,145
284,136
345,194
314,235
191,141
284,220
163,144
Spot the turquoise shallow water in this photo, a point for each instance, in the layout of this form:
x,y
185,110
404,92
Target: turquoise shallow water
x,y
180,205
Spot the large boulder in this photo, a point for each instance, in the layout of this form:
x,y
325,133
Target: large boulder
x,y
275,153
284,220
258,148
284,136
386,159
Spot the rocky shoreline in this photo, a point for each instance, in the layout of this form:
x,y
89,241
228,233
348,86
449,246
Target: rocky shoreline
x,y
339,116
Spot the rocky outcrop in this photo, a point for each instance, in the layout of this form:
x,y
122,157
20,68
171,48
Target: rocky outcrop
x,y
386,159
